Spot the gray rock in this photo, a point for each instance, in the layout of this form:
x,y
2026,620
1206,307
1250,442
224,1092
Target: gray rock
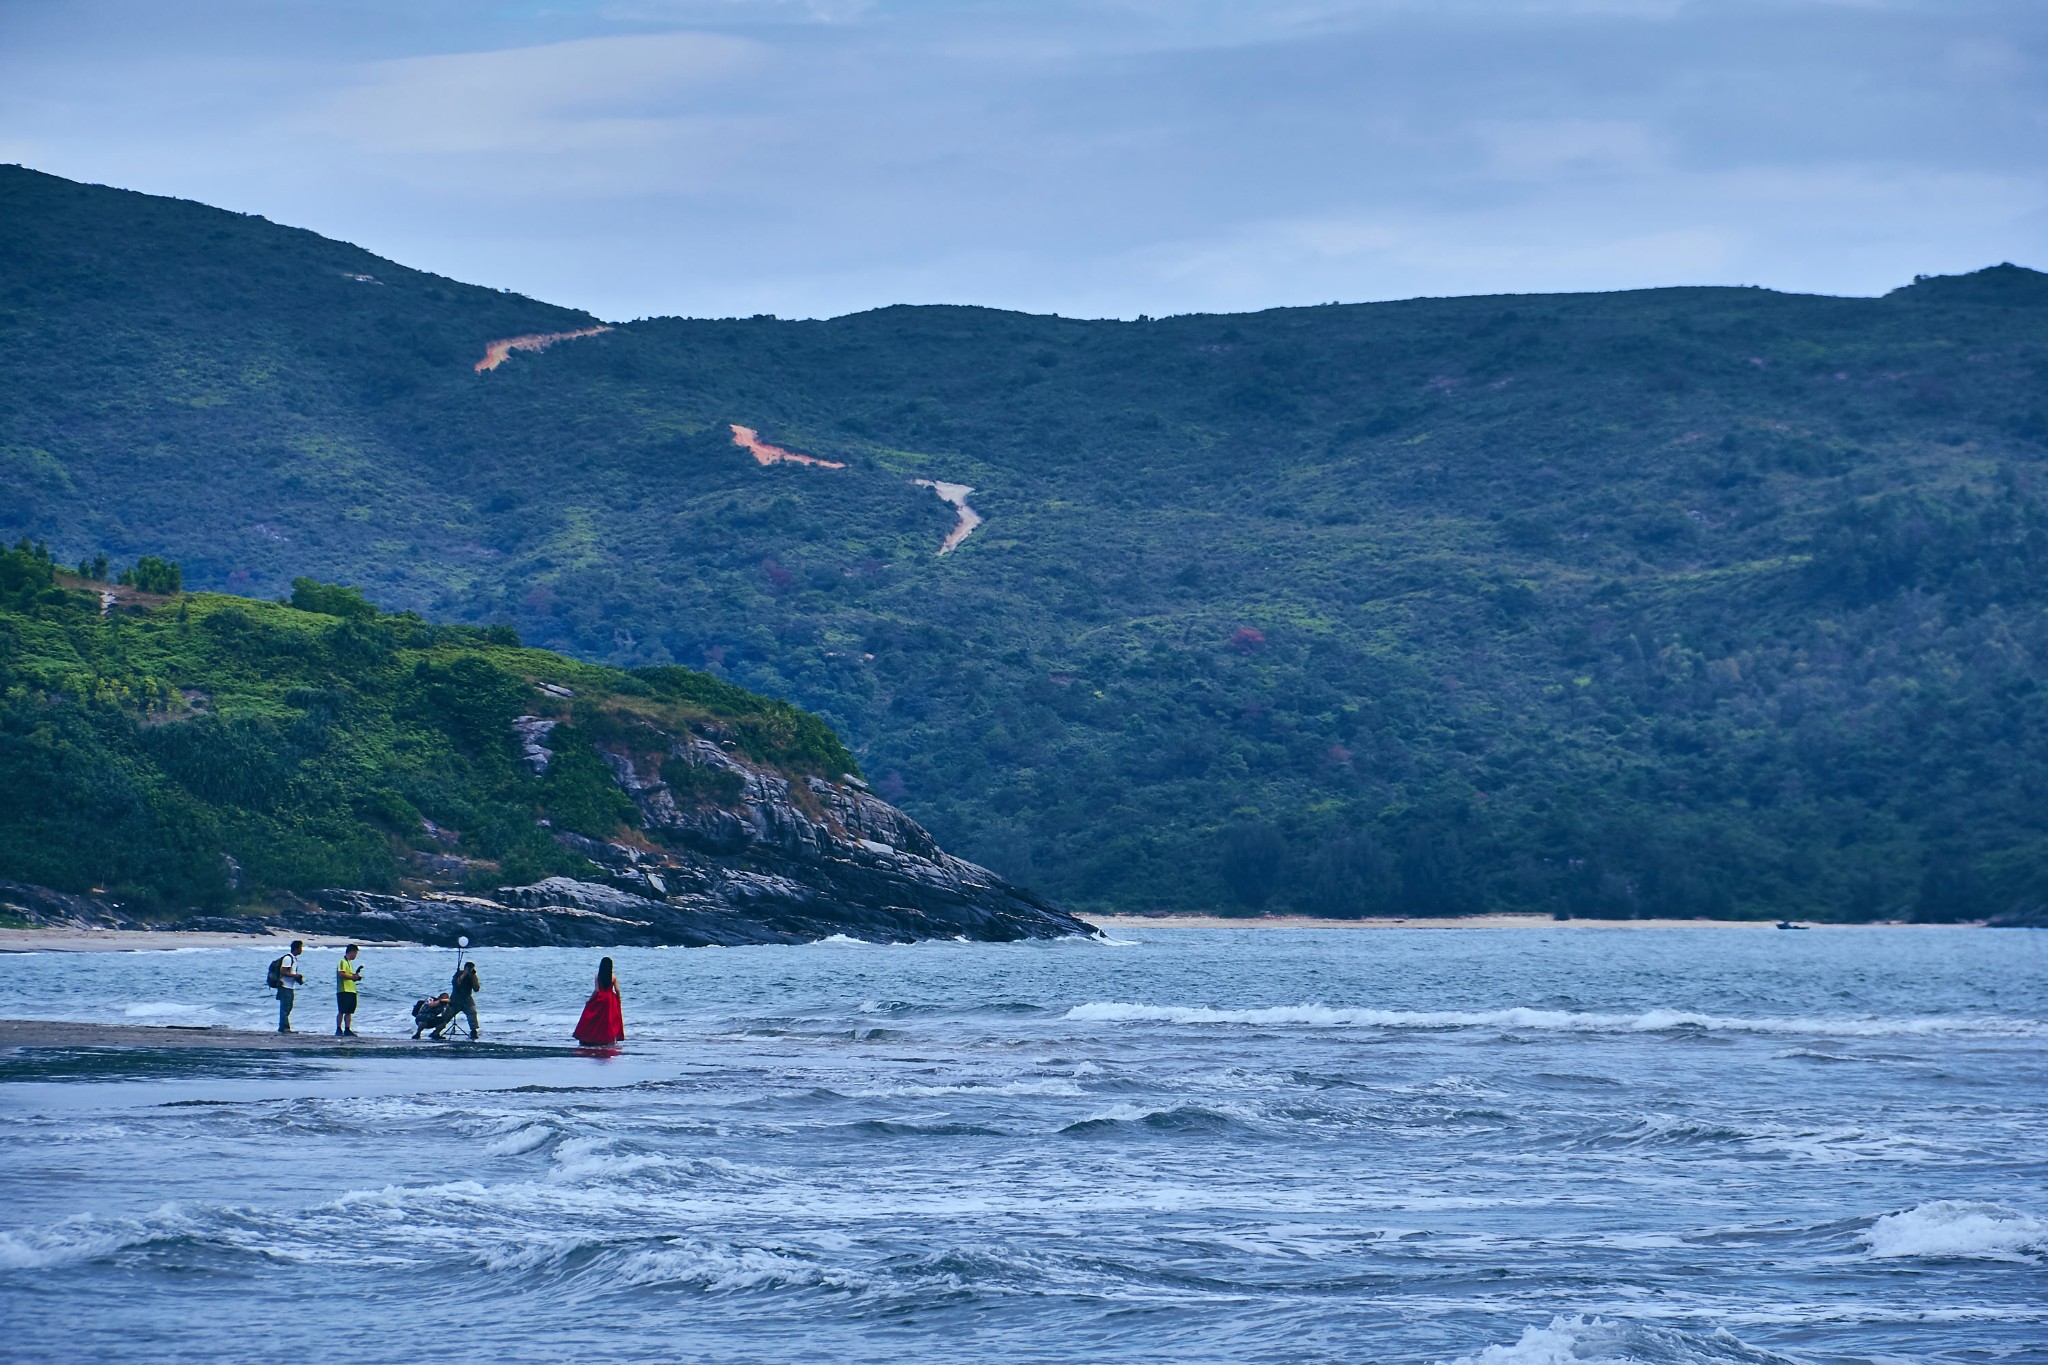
x,y
785,862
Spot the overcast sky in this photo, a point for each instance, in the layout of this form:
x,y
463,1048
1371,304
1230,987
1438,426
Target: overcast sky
x,y
1086,157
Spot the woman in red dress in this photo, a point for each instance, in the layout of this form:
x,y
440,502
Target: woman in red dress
x,y
602,1024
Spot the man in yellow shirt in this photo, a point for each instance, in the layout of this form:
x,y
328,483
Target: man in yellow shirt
x,y
347,974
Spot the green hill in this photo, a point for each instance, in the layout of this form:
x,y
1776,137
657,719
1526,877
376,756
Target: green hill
x,y
1675,601
197,750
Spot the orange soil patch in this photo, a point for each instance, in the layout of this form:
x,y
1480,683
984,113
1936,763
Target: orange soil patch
x,y
749,440
497,352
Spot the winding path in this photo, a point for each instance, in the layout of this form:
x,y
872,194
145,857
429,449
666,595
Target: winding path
x,y
498,352
956,494
749,440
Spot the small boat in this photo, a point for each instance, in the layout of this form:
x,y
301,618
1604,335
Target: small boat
x,y
1788,924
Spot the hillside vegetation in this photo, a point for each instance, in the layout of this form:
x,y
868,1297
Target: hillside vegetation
x,y
199,750
1685,601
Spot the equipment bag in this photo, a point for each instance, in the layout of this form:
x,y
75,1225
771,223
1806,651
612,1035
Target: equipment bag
x,y
275,980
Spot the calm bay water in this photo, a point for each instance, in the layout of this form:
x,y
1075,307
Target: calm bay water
x,y
1514,1147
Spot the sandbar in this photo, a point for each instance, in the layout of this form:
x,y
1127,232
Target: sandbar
x,y
42,1033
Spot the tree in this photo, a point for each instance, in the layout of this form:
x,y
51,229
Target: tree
x,y
1251,857
1349,877
151,574
331,599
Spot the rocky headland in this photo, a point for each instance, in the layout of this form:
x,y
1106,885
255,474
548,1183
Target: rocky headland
x,y
726,852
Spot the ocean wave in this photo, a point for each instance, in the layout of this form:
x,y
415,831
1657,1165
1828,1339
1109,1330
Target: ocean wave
x,y
669,1263
585,1159
1577,1340
523,1139
716,1269
1955,1229
1055,1086
1567,1021
912,1128
1179,1120
1840,1143
86,1238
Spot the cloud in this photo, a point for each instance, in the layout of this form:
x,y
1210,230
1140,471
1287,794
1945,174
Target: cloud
x,y
579,95
809,157
1542,148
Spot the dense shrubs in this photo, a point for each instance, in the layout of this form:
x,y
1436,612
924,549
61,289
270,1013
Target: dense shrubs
x,y
213,749
1672,601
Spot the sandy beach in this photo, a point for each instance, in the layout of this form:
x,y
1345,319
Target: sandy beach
x,y
157,941
42,1033
1114,922
20,1033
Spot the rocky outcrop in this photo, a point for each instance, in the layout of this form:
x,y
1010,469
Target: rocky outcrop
x,y
44,908
786,860
726,852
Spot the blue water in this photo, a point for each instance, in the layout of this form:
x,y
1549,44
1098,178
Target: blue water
x,y
1515,1147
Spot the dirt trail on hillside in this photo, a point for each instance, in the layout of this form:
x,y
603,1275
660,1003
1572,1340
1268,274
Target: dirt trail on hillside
x,y
749,440
956,494
497,352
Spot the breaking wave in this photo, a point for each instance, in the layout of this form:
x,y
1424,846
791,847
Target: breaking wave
x,y
1577,1340
1949,1229
1565,1021
86,1238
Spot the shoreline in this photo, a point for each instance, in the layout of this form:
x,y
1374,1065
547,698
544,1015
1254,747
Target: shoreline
x,y
86,940
1493,921
18,1034
76,940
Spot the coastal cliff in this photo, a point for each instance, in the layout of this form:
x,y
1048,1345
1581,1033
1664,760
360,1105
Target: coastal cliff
x,y
782,861
190,760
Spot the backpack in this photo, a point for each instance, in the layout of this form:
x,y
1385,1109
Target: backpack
x,y
275,980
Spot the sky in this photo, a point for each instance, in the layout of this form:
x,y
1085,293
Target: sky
x,y
1093,158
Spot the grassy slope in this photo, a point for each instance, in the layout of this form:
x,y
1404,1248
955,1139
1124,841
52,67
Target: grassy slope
x,y
138,748
1670,601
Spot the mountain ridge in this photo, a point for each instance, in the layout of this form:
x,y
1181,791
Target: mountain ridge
x,y
1693,600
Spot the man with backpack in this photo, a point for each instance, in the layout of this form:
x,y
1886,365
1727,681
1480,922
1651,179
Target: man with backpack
x,y
285,979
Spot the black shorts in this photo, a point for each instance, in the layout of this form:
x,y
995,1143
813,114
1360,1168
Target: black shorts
x,y
345,1002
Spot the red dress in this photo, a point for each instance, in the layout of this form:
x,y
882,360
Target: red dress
x,y
601,1024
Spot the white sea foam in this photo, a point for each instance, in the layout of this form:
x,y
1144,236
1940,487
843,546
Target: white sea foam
x,y
1959,1229
725,1269
1577,1340
85,1238
1648,1021
521,1140
166,1009
581,1159
1057,1086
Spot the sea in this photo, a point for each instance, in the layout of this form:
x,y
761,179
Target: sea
x,y
1515,1146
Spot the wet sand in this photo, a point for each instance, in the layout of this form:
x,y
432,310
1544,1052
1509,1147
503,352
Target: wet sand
x,y
159,940
39,1033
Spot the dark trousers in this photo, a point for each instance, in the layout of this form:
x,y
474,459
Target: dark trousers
x,y
286,998
459,1012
